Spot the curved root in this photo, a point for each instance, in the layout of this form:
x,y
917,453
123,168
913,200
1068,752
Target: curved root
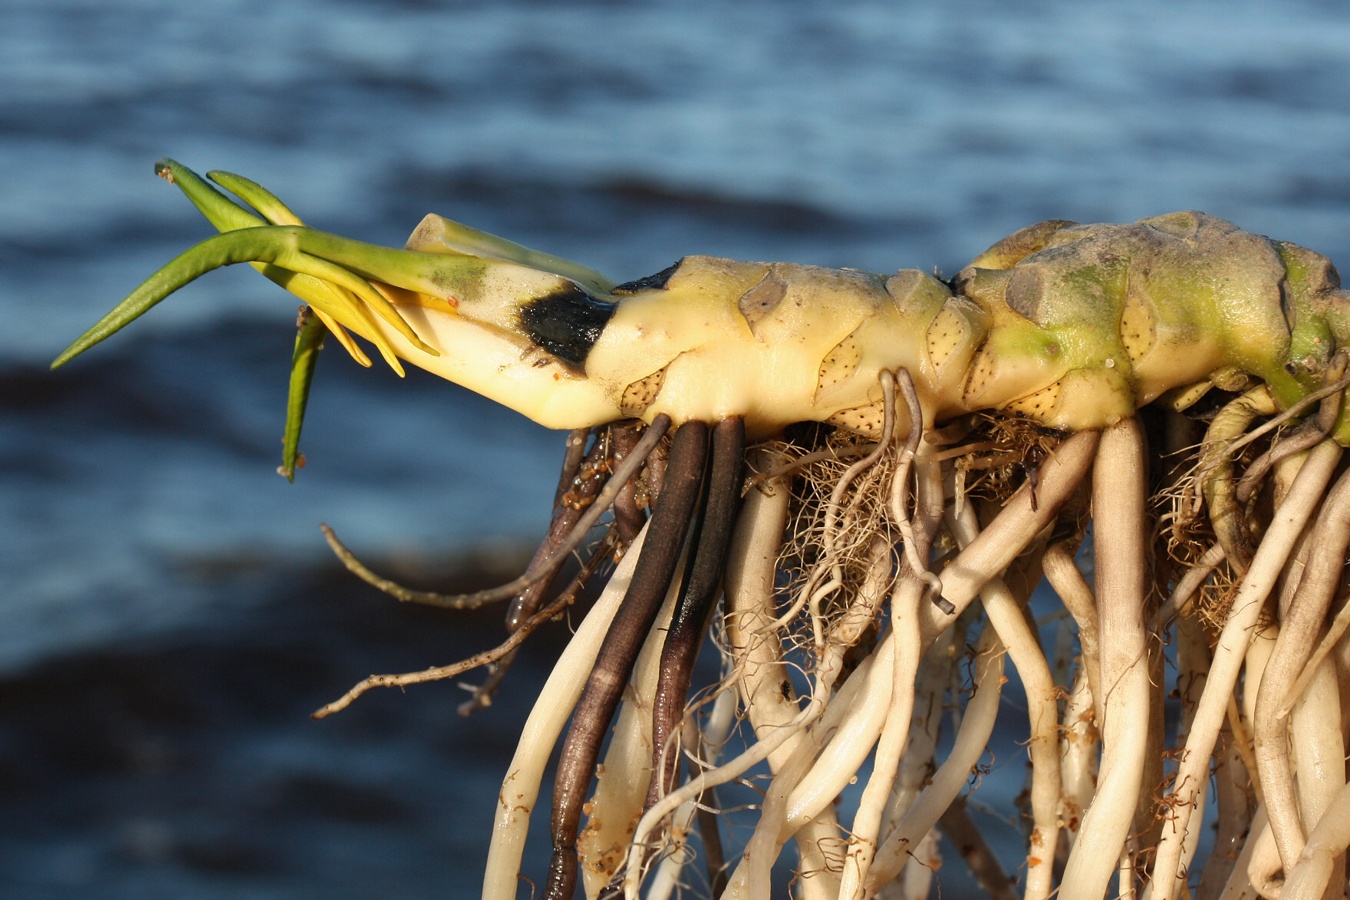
x,y
853,574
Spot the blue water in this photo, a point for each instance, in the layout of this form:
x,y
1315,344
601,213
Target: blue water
x,y
145,535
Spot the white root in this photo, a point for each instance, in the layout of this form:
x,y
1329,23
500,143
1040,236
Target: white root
x,y
855,715
520,788
1265,872
930,690
1236,810
850,727
1254,672
1287,523
1126,876
1329,642
1315,870
1304,609
917,545
1319,756
804,787
916,881
1043,744
1067,581
1317,720
905,602
1179,601
1079,745
977,724
1232,781
1023,517
780,723
762,676
1118,498
665,882
936,669
1238,884
891,746
734,768
754,642
1024,649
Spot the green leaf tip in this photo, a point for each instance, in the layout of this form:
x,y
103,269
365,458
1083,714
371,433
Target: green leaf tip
x,y
267,204
244,245
309,337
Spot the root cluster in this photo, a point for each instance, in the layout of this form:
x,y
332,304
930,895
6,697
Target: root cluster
x,y
1155,611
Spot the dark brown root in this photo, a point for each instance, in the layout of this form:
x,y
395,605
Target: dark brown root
x,y
584,480
656,566
703,577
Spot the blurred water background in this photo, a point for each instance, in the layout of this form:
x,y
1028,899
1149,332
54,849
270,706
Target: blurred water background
x,y
168,611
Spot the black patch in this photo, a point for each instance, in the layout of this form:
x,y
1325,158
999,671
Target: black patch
x,y
650,283
566,323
